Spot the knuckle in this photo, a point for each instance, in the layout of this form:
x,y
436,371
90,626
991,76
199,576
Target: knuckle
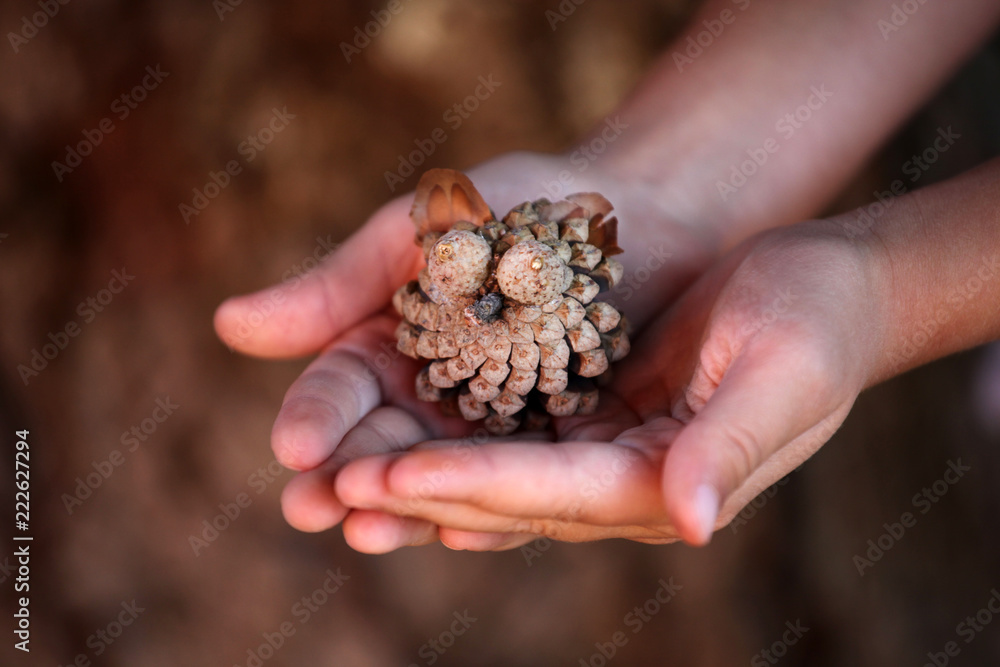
x,y
538,527
742,448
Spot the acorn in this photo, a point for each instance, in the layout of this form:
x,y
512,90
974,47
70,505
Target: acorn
x,y
506,311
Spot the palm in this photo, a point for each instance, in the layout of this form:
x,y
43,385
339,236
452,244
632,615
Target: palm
x,y
356,399
715,390
599,476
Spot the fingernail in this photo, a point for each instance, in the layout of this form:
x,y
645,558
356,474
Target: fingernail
x,y
706,504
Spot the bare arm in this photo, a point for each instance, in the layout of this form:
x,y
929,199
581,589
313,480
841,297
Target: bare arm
x,y
940,270
694,119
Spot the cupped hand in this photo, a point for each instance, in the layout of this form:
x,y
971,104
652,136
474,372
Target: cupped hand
x,y
745,378
356,399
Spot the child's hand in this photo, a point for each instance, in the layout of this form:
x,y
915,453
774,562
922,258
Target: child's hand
x,y
686,136
357,397
750,373
746,377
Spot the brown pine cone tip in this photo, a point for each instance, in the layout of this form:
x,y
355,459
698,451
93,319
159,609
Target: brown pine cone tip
x,y
504,312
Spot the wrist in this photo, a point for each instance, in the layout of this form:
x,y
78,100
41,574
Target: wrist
x,y
852,275
934,270
879,297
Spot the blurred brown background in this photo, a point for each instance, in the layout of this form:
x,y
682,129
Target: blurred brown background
x,y
319,177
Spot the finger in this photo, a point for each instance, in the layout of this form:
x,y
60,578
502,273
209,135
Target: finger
x,y
329,399
377,533
667,352
461,540
589,482
362,484
765,401
360,371
468,527
451,518
611,418
304,314
308,500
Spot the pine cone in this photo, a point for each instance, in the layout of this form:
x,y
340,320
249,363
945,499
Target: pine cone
x,y
505,310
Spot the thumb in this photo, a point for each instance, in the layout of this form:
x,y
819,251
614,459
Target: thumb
x,y
734,447
302,316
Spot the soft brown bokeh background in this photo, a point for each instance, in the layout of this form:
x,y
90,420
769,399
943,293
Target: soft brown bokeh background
x,y
322,176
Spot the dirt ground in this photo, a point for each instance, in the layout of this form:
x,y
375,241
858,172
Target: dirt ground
x,y
98,260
